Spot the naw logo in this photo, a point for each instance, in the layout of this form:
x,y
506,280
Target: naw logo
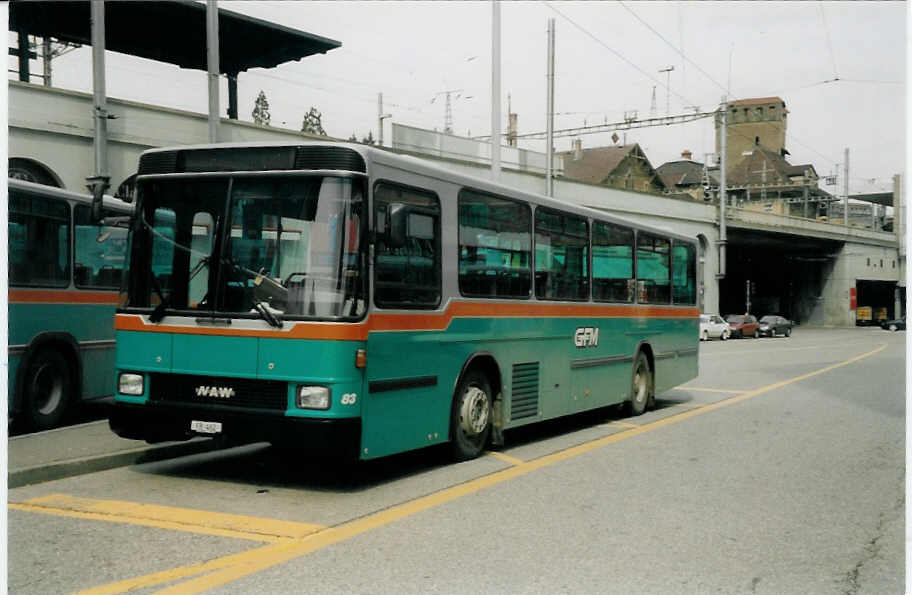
x,y
586,336
221,392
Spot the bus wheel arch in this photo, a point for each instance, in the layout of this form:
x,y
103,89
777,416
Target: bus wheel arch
x,y
642,380
476,407
47,381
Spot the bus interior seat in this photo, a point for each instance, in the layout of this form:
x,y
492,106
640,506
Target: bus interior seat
x,y
81,274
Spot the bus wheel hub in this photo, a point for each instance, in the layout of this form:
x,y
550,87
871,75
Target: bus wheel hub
x,y
473,415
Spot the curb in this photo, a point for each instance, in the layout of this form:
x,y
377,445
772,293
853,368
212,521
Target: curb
x,y
139,455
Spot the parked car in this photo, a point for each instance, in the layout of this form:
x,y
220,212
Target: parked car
x,y
771,325
743,325
713,327
894,325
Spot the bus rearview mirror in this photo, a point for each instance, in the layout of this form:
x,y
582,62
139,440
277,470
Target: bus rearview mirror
x,y
398,224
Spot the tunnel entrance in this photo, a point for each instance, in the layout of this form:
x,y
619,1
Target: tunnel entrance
x,y
879,297
770,273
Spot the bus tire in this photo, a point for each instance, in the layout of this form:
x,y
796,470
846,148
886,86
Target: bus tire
x,y
47,390
641,386
470,422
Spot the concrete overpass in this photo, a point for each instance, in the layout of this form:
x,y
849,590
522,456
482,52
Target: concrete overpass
x,y
801,268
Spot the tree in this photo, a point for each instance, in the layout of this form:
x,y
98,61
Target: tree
x,y
261,110
369,139
313,122
353,138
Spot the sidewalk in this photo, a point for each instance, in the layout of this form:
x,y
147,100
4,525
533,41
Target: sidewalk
x,y
86,448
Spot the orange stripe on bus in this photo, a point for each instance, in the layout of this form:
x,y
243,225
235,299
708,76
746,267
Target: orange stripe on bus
x,y
56,296
437,321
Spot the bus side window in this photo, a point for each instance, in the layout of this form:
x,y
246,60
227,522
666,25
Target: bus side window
x,y
407,275
684,273
495,246
100,252
653,269
612,263
561,256
39,241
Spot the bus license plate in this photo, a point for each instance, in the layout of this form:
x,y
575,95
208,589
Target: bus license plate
x,y
206,427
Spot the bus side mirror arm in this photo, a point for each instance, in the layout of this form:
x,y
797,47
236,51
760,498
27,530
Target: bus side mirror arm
x,y
97,196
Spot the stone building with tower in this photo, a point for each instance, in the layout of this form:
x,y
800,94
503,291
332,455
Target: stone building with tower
x,y
752,122
758,175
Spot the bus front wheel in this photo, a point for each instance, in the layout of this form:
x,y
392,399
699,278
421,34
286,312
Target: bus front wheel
x,y
48,386
640,386
470,423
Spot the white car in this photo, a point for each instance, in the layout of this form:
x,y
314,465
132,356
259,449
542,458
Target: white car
x,y
713,326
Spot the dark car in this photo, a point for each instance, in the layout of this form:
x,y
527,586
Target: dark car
x,y
771,325
743,325
894,325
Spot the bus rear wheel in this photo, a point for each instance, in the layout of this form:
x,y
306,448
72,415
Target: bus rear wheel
x,y
641,386
48,387
470,423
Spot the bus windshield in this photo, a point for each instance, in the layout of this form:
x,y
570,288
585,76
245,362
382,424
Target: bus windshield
x,y
269,247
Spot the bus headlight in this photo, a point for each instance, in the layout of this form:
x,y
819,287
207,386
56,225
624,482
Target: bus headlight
x,y
313,397
130,384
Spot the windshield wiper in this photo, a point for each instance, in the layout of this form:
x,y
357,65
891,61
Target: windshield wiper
x,y
268,316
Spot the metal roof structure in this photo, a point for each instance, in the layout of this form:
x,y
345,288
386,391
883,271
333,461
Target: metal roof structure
x,y
172,31
879,198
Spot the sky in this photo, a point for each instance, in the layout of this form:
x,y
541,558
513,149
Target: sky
x,y
839,67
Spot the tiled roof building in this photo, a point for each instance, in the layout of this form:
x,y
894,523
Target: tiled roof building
x,y
623,166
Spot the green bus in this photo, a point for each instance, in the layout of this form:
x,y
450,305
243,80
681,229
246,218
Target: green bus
x,y
64,275
350,301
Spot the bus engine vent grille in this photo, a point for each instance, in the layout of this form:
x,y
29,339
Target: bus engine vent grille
x,y
329,158
524,398
219,391
159,162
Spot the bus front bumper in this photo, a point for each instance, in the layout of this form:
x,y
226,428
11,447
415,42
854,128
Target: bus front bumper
x,y
335,438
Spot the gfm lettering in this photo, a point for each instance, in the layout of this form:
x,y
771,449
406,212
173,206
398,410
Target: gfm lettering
x,y
586,336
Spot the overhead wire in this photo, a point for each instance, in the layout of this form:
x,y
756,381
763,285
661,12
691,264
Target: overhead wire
x,y
712,79
826,30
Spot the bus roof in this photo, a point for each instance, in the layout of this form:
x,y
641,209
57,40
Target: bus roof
x,y
54,192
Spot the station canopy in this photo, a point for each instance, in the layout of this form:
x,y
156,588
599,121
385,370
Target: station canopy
x,y
171,31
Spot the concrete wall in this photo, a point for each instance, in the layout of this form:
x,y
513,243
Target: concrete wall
x,y
54,127
856,262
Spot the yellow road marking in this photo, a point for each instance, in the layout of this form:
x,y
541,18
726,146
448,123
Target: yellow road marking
x,y
247,563
711,390
504,457
167,576
169,517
